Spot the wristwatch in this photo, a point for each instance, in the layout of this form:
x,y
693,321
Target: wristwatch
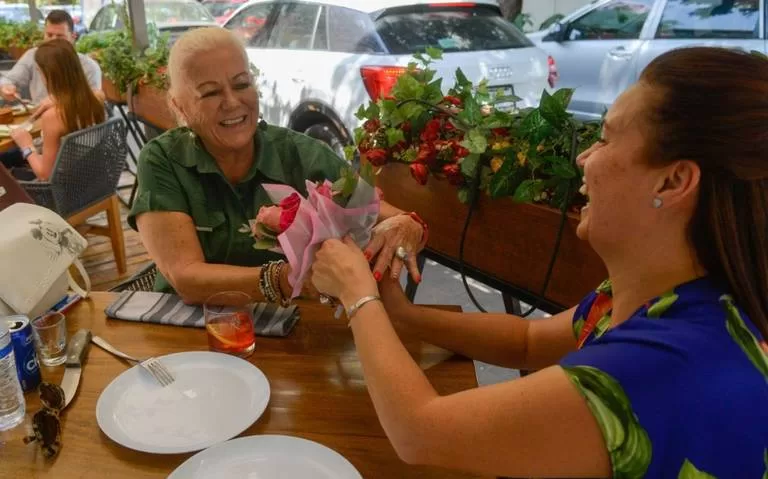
x,y
25,152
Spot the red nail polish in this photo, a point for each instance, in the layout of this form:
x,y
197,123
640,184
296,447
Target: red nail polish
x,y
377,276
367,255
418,280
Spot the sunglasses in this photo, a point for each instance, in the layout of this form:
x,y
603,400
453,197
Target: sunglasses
x,y
46,424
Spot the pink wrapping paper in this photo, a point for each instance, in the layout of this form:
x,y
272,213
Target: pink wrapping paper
x,y
319,218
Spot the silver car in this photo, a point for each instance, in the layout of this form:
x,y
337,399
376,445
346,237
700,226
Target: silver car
x,y
603,47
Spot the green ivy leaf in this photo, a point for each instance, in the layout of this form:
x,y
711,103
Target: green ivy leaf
x,y
461,79
464,194
476,142
434,91
560,167
349,152
469,165
527,191
265,244
552,109
435,53
359,135
536,127
394,136
500,184
470,115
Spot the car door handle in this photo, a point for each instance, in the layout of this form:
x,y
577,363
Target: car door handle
x,y
620,53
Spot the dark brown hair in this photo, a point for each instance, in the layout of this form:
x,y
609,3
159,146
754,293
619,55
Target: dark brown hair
x,y
57,17
64,77
713,109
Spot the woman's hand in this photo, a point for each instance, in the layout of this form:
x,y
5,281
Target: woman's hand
x,y
399,231
22,138
308,291
341,271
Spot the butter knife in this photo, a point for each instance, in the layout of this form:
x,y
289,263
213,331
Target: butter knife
x,y
77,352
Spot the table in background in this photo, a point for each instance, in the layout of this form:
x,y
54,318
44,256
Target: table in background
x,y
317,392
6,143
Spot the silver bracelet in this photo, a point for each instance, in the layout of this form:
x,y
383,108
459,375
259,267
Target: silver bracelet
x,y
359,304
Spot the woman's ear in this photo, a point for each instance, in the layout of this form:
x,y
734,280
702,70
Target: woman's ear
x,y
679,182
177,111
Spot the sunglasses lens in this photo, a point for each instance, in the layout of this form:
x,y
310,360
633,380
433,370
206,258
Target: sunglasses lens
x,y
52,396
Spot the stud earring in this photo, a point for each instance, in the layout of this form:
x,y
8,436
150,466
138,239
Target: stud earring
x,y
658,202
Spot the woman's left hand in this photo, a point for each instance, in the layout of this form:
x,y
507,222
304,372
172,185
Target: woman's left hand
x,y
341,271
400,231
22,138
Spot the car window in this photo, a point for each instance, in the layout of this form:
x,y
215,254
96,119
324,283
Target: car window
x,y
249,23
176,12
106,19
221,9
459,28
353,32
617,20
739,19
294,27
321,33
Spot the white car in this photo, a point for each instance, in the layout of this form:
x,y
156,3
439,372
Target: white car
x,y
320,60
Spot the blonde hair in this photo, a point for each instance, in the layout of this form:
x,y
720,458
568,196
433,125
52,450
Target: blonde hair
x,y
184,51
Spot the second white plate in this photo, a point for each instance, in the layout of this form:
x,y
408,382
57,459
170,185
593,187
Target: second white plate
x,y
214,398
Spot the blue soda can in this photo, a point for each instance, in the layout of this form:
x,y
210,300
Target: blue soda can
x,y
27,367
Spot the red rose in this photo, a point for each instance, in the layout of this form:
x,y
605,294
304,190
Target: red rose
x,y
427,154
289,207
448,126
406,126
364,147
431,130
419,173
453,173
459,150
452,100
371,126
377,156
500,131
400,147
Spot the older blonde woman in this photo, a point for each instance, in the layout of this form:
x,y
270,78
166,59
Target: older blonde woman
x,y
198,183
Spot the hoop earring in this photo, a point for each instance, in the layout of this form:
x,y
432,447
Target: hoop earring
x,y
658,202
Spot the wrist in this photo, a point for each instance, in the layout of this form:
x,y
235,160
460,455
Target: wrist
x,y
424,227
348,299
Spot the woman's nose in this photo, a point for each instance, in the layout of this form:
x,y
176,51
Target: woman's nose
x,y
582,158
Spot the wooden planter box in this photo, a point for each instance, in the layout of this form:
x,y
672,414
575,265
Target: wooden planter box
x,y
17,52
509,241
151,105
111,92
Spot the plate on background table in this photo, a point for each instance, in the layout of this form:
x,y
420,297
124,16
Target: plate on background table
x,y
267,457
5,130
20,110
214,398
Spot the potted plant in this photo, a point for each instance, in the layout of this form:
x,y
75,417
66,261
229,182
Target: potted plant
x,y
515,165
17,38
115,45
149,99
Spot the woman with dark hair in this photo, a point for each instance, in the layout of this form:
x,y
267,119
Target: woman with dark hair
x,y
663,370
75,106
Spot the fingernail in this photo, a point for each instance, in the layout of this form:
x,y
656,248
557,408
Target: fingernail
x,y
418,279
367,255
395,275
377,276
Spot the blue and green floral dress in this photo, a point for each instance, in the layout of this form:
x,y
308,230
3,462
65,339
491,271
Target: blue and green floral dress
x,y
680,390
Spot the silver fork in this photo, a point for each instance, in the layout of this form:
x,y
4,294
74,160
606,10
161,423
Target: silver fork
x,y
152,365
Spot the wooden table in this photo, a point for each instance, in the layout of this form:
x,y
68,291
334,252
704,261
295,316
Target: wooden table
x,y
318,393
6,143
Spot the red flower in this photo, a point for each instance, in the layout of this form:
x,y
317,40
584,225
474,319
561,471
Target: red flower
x,y
448,126
406,126
371,126
364,147
419,172
289,207
453,173
400,147
427,154
459,150
431,130
452,100
377,156
500,131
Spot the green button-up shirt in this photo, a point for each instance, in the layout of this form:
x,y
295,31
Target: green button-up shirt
x,y
176,173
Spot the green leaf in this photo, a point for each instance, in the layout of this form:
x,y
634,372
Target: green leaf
x,y
265,243
435,53
689,471
552,110
359,135
349,152
470,115
394,136
475,141
559,167
461,79
469,165
501,182
265,232
434,91
527,191
535,127
407,87
464,194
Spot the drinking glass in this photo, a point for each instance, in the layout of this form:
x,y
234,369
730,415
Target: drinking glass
x,y
50,333
229,323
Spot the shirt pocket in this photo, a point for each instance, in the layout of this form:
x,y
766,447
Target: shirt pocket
x,y
213,234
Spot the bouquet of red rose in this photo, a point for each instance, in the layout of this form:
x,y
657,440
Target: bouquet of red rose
x,y
296,226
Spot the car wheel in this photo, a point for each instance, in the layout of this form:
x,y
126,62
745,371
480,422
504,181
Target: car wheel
x,y
328,134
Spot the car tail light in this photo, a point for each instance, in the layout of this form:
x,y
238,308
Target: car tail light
x,y
379,81
553,76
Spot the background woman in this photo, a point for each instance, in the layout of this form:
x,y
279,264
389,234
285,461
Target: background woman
x,y
74,107
663,370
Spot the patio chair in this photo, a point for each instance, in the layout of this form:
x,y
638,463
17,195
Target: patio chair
x,y
84,181
142,280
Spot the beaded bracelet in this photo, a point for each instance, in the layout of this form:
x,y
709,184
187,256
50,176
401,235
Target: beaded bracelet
x,y
269,283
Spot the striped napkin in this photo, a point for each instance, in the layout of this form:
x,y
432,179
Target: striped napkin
x,y
163,308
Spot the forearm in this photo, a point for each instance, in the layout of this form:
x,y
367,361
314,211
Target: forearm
x,y
397,386
197,282
495,338
41,168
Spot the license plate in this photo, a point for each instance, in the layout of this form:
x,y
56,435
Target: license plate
x,y
503,95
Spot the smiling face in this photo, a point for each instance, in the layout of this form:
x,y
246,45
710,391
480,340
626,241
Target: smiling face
x,y
618,178
218,99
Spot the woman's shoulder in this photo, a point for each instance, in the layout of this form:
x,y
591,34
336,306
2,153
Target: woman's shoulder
x,y
175,144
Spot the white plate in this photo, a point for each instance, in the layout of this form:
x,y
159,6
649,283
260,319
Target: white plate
x,y
215,397
267,457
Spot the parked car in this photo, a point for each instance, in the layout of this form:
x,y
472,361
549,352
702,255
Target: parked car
x,y
602,48
222,10
320,60
16,13
171,16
